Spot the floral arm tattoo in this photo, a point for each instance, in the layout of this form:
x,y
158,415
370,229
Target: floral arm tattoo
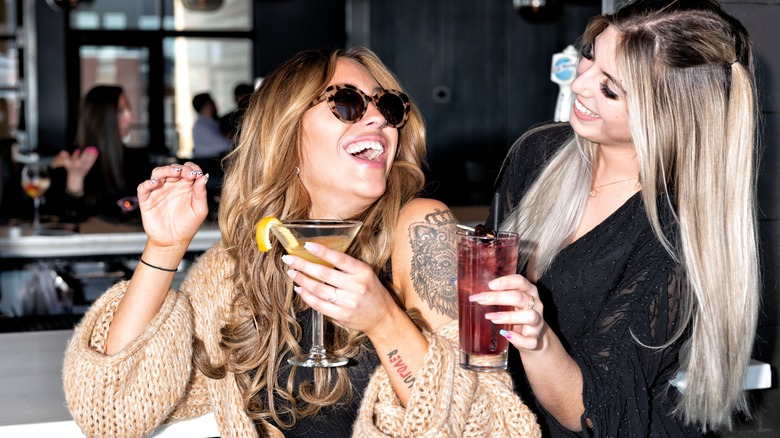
x,y
433,266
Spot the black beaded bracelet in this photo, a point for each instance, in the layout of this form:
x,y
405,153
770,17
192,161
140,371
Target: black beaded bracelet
x,y
157,267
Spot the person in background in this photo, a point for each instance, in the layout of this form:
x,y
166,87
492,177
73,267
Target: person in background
x,y
13,202
208,141
230,123
640,222
329,134
11,193
210,146
98,176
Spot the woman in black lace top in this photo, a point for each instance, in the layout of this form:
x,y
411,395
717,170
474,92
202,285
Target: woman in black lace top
x,y
638,217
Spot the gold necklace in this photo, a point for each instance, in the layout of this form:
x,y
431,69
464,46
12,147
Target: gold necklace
x,y
594,191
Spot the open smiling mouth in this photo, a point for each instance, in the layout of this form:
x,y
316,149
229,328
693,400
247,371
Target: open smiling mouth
x,y
581,108
366,150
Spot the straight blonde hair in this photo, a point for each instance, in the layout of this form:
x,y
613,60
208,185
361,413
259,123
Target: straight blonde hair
x,y
690,94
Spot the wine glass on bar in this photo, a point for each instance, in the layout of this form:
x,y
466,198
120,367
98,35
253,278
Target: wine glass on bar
x,y
35,181
334,234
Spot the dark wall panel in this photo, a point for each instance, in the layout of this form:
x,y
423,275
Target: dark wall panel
x,y
480,74
52,78
284,28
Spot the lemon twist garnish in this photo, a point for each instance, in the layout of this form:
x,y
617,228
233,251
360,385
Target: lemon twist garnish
x,y
263,234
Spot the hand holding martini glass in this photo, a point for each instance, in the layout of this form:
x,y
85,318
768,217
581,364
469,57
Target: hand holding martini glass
x,y
293,235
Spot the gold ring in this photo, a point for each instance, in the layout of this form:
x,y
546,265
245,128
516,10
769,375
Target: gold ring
x,y
530,305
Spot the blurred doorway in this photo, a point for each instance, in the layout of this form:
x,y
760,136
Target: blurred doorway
x,y
201,65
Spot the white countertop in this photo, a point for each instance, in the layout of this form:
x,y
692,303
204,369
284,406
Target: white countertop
x,y
32,401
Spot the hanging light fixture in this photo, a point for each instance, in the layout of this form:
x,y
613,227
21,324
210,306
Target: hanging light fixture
x,y
538,10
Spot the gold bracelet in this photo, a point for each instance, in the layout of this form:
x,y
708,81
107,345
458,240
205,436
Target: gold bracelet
x,y
157,267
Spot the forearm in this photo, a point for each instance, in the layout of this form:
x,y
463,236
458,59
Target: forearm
x,y
556,380
74,183
447,400
100,388
401,350
144,297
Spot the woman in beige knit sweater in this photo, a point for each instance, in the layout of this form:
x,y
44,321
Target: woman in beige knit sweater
x,y
145,355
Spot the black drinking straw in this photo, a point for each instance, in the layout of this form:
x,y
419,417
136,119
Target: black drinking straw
x,y
496,202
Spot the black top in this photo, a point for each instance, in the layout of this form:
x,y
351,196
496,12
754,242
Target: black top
x,y
604,294
335,421
99,198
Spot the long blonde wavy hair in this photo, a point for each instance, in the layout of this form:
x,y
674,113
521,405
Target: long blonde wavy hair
x,y
690,91
260,181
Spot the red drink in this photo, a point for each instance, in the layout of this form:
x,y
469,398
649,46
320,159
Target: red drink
x,y
480,260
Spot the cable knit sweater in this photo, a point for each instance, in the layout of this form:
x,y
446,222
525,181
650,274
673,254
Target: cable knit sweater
x,y
153,381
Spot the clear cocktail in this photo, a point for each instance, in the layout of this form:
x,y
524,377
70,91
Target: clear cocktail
x,y
480,260
334,234
336,243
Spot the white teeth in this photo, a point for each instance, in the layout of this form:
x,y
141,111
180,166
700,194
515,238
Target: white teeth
x,y
376,149
584,110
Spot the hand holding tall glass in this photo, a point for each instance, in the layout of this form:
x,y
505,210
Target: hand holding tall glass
x,y
35,181
336,235
480,260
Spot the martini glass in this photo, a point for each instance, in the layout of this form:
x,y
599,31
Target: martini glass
x,y
336,235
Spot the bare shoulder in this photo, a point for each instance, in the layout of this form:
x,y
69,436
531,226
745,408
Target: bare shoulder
x,y
425,253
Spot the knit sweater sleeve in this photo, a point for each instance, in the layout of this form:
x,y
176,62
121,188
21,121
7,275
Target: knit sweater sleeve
x,y
446,400
150,382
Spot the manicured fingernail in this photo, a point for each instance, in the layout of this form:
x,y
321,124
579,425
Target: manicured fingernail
x,y
505,334
192,172
308,246
287,259
176,169
92,149
494,317
199,173
291,273
153,180
476,298
207,176
297,289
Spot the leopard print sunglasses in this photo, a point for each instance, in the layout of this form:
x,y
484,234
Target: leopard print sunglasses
x,y
349,104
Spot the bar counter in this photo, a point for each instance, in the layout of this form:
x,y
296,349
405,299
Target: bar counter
x,y
94,237
33,401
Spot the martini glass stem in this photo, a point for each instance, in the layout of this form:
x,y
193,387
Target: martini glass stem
x,y
317,333
37,216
